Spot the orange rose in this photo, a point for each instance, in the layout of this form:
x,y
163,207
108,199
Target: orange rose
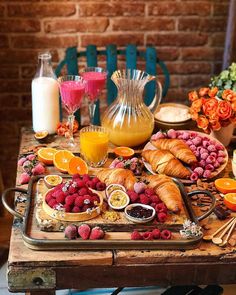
x,y
210,106
224,110
204,91
196,105
194,114
229,95
192,95
214,122
233,105
202,122
213,91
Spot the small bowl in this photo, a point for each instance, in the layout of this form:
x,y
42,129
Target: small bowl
x,y
52,180
139,220
116,196
113,187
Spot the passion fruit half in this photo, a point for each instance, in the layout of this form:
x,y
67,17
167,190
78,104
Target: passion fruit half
x,y
41,135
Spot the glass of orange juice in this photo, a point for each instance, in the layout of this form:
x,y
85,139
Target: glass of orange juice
x,y
94,145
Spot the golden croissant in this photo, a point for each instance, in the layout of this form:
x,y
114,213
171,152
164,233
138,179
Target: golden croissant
x,y
177,147
164,162
167,191
121,176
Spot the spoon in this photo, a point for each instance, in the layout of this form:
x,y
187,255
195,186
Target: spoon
x,y
228,235
210,237
219,240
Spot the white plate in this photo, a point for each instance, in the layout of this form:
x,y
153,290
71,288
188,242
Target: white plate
x,y
139,220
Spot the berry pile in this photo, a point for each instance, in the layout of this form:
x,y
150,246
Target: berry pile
x,y
155,234
134,164
209,153
31,166
84,231
149,197
74,196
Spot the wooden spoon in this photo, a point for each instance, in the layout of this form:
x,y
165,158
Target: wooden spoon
x,y
218,240
228,235
210,237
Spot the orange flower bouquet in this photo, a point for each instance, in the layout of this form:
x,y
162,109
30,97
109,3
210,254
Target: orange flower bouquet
x,y
211,112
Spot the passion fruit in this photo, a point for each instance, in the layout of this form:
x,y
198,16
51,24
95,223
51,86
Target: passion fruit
x,y
41,135
52,180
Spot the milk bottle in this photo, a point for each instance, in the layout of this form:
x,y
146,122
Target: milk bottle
x,y
45,96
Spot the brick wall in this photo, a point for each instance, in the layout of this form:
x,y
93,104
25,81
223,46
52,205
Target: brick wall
x,y
189,36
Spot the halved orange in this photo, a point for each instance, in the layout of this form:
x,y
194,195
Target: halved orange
x,y
226,185
123,151
77,166
230,201
46,155
61,160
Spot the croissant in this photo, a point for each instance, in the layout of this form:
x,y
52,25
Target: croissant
x,y
121,176
163,162
177,147
167,191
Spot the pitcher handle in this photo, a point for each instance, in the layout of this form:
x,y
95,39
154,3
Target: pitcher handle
x,y
157,97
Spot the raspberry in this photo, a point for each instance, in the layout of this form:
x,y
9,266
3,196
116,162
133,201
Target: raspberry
x,y
194,176
193,147
120,165
213,154
85,208
60,199
71,232
210,160
156,233
199,171
161,207
189,142
76,209
221,160
185,135
48,198
91,184
69,200
149,191
72,190
196,153
100,186
211,148
144,199
216,164
210,167
95,180
202,163
203,156
133,197
76,176
67,208
221,154
165,234
86,178
80,183
96,233
24,178
83,191
31,157
79,201
207,174
147,235
219,147
155,199
171,133
84,231
52,202
162,216
197,140
205,143
158,135
135,235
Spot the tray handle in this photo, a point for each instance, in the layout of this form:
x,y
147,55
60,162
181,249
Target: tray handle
x,y
196,192
5,196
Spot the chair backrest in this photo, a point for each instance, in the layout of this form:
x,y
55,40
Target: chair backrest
x,y
111,53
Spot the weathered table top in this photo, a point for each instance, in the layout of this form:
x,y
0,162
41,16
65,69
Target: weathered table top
x,y
50,270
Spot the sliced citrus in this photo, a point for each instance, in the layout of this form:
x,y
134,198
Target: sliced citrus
x,y
226,185
61,160
230,201
46,155
123,151
77,165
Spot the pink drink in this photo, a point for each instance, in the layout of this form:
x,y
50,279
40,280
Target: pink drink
x,y
71,94
95,83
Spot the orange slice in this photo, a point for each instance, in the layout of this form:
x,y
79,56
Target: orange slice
x,y
46,155
226,185
77,166
61,160
123,151
230,201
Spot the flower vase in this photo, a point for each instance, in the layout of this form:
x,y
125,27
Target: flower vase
x,y
224,135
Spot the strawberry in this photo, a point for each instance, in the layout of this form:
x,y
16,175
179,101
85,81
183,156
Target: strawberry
x,y
21,161
96,233
24,178
156,233
84,231
71,231
135,235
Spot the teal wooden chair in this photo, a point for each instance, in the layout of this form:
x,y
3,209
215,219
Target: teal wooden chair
x,y
111,53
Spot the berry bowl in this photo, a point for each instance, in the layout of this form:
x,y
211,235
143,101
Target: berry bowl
x,y
139,213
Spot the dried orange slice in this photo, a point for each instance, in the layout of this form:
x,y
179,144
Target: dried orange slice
x,y
46,155
230,201
61,160
77,166
123,151
226,185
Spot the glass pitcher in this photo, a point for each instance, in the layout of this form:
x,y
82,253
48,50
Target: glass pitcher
x,y
129,121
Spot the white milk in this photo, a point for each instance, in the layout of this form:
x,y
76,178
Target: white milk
x,y
45,104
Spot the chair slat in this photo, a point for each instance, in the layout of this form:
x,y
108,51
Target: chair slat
x,y
151,57
91,54
131,57
111,67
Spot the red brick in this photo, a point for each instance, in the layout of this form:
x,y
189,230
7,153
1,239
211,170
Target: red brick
x,y
203,25
119,39
23,25
28,41
111,9
175,8
9,100
202,54
194,81
9,72
9,130
220,9
4,42
77,25
26,101
15,86
180,39
218,39
189,67
41,10
28,72
142,24
217,68
167,54
15,115
176,94
2,10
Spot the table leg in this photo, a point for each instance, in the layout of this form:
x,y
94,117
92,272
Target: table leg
x,y
43,292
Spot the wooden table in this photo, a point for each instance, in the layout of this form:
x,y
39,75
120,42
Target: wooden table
x,y
33,271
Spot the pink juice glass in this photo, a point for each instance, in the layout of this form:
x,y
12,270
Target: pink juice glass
x,y
72,89
96,79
